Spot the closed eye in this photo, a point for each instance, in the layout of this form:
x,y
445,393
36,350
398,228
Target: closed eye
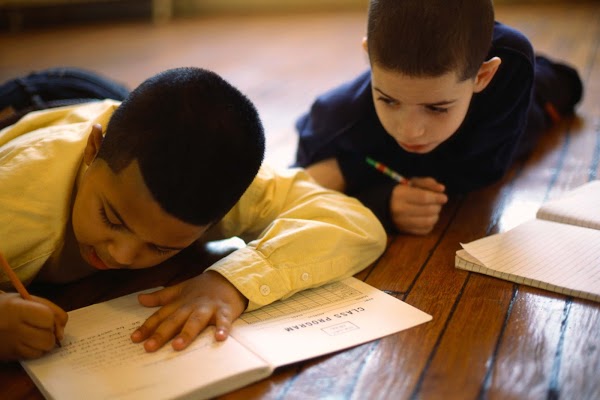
x,y
161,250
387,101
107,221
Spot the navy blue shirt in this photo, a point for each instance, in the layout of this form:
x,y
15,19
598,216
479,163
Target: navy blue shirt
x,y
343,124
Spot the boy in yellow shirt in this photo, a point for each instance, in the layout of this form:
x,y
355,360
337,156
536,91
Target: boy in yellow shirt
x,y
179,161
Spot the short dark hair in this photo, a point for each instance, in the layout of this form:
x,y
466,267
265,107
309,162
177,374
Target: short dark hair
x,y
426,38
198,140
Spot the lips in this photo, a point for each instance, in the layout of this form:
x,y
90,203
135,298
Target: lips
x,y
95,261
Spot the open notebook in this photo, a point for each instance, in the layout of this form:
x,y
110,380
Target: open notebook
x,y
97,359
557,251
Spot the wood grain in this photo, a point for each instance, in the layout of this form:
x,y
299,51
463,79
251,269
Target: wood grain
x,y
488,338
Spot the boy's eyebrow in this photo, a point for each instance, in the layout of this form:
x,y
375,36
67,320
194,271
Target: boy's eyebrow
x,y
122,222
383,93
439,103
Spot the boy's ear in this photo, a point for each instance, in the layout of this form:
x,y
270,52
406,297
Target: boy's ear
x,y
365,45
486,73
93,144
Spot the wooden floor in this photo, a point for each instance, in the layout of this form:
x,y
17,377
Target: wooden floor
x,y
489,338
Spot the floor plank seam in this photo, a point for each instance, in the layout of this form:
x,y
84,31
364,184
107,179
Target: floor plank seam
x,y
487,380
461,201
414,395
554,384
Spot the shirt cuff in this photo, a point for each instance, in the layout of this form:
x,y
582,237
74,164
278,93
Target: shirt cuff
x,y
252,274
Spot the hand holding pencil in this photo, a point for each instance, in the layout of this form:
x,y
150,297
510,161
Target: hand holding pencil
x,y
30,326
415,203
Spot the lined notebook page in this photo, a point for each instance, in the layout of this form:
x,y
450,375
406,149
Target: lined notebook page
x,y
98,361
580,206
553,256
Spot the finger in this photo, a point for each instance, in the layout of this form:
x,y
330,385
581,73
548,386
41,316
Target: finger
x,y
37,315
167,329
152,322
413,222
60,316
26,352
417,226
427,183
58,320
418,210
424,224
26,342
36,338
223,323
160,297
420,231
418,196
195,324
163,297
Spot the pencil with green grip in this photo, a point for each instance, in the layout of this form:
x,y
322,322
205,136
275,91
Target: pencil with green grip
x,y
384,169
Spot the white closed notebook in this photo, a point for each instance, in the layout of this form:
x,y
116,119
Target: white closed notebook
x,y
580,207
558,251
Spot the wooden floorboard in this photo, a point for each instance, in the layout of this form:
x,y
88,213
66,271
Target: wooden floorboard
x,y
489,338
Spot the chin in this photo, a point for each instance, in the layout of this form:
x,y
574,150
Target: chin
x,y
420,149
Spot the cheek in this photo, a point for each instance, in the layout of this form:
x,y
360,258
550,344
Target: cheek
x,y
443,128
77,220
386,118
456,119
87,226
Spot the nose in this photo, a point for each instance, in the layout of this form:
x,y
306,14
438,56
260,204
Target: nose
x,y
124,250
409,126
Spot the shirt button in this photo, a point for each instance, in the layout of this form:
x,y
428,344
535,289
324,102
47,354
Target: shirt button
x,y
265,290
305,276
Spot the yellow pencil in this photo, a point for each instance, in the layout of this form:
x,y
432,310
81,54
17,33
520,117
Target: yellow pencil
x,y
17,283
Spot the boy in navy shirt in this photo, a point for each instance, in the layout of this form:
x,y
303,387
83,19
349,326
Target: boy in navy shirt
x,y
451,99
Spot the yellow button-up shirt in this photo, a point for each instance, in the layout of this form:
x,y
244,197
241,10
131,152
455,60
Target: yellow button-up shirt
x,y
298,235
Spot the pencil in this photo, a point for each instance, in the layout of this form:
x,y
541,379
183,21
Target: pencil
x,y
386,170
14,279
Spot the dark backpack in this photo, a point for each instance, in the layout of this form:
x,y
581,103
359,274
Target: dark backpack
x,y
54,87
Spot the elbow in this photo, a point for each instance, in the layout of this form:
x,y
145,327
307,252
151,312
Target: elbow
x,y
374,236
380,238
